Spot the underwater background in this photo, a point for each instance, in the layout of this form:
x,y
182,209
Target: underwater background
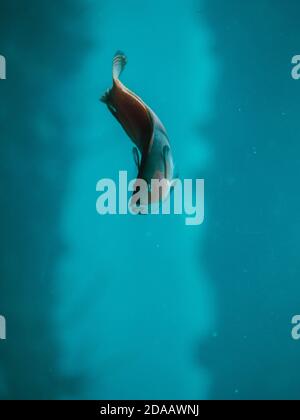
x,y
124,307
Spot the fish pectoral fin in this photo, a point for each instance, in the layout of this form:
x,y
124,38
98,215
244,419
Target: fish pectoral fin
x,y
166,153
136,157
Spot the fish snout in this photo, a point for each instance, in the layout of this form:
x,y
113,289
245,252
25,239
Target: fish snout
x,y
147,193
160,189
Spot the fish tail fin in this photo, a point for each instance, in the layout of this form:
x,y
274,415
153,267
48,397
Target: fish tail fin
x,y
119,63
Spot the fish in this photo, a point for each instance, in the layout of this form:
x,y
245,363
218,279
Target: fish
x,y
152,151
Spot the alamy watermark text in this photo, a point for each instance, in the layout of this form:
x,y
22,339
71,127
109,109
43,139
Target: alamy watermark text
x,y
137,197
2,328
2,67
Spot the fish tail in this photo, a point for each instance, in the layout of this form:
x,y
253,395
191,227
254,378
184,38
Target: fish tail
x,y
119,63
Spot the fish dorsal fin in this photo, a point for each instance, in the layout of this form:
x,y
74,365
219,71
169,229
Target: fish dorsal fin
x,y
119,63
136,157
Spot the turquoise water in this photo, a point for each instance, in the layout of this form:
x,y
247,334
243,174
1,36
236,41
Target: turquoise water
x,y
124,307
149,310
